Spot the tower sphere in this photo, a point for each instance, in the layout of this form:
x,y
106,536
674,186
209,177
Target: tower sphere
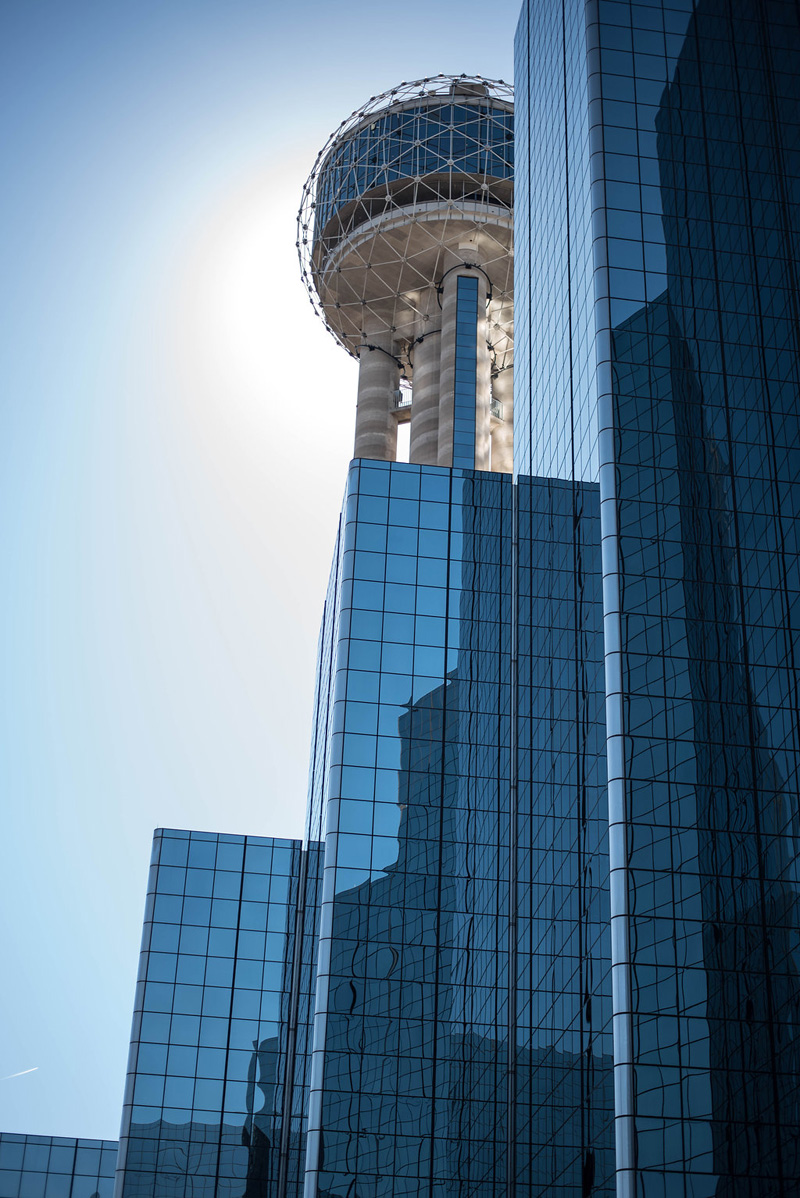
x,y
416,183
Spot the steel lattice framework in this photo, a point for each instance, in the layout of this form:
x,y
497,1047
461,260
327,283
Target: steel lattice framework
x,y
396,192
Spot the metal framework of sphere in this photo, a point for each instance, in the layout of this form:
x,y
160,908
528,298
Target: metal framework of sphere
x,y
396,194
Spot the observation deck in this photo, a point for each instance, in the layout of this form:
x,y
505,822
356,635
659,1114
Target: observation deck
x,y
405,240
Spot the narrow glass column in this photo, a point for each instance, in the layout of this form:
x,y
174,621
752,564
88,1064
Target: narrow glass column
x,y
464,371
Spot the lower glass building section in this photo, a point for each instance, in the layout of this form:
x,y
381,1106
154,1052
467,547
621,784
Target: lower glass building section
x,y
563,1144
56,1167
461,1027
216,1092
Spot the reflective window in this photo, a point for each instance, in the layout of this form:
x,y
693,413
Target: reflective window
x,y
217,1072
656,286
426,140
437,865
465,380
56,1167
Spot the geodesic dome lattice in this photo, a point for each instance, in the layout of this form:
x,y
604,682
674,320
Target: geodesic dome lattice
x,y
395,190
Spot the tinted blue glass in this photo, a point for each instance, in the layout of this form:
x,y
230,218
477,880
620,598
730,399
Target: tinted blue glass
x,y
467,139
466,366
555,429
682,118
56,1167
433,1048
217,1072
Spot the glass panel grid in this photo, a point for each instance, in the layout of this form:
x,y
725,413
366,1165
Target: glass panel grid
x,y
218,1055
56,1167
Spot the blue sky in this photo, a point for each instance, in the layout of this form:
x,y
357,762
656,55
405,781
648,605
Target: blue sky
x,y
166,515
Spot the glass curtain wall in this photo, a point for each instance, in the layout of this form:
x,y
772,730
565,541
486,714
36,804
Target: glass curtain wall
x,y
563,836
56,1167
687,113
463,844
699,172
215,1096
563,1079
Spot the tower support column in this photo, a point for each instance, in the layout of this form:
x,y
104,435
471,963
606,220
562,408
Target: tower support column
x,y
378,380
503,434
424,447
483,392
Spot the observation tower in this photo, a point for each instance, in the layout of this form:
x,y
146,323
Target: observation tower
x,y
405,242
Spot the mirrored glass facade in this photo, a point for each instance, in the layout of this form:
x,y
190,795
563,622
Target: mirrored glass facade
x,y
687,117
216,1091
56,1167
462,1034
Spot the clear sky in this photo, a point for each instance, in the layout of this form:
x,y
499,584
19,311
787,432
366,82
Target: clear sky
x,y
176,426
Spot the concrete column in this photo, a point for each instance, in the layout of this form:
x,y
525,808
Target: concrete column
x,y
426,360
448,370
503,434
378,379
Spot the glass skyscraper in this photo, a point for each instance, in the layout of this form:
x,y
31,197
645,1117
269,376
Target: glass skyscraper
x,y
462,1034
541,937
657,303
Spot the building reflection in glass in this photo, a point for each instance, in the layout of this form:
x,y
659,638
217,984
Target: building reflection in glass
x,y
56,1167
437,1069
706,387
217,1086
